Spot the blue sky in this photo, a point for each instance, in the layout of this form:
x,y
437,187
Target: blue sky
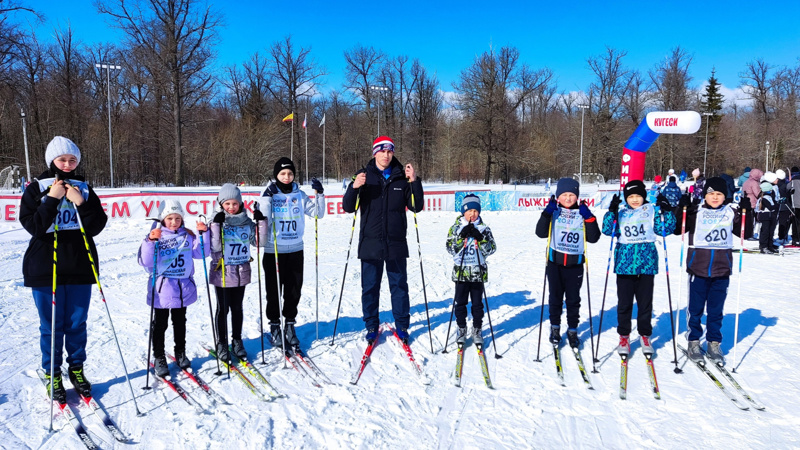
x,y
446,36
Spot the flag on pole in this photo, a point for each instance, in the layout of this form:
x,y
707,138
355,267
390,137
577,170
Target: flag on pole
x,y
304,120
289,118
323,121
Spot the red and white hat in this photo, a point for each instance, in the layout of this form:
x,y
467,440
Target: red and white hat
x,y
382,143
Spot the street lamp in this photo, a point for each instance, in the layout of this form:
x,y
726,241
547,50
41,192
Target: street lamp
x,y
379,88
108,68
580,167
705,153
766,163
25,140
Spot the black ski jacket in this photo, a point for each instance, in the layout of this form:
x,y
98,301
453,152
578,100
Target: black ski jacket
x,y
382,205
37,213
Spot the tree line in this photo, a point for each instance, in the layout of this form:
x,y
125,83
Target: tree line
x,y
179,119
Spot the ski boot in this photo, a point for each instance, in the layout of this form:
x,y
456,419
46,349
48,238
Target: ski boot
x,y
291,336
222,352
275,334
696,353
372,334
238,349
624,348
477,336
182,361
59,393
572,337
714,353
461,335
402,333
160,366
79,381
555,334
647,347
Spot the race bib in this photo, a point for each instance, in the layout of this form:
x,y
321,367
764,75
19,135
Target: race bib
x,y
289,222
470,254
567,232
174,257
714,228
237,245
67,213
636,225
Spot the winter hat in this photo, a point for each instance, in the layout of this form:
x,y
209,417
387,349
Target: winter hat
x,y
671,172
471,201
695,173
382,143
766,187
168,207
770,177
283,163
61,146
672,179
229,192
747,169
567,185
715,184
634,187
781,174
795,169
657,179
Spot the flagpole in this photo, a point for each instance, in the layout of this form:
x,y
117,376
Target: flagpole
x,y
305,127
291,142
323,148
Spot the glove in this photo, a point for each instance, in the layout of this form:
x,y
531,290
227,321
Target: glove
x,y
475,234
584,211
615,202
467,231
219,218
552,206
317,186
686,200
663,203
271,190
258,215
744,203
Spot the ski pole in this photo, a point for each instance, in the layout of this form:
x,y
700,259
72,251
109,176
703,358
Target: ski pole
x,y
316,257
589,296
346,262
152,306
108,313
738,289
453,308
222,310
208,293
260,305
486,298
53,319
669,297
544,288
605,288
422,272
676,326
279,288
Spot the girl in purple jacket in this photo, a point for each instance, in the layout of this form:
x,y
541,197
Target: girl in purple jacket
x,y
174,287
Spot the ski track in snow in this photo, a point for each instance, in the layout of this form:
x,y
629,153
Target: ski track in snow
x,y
390,406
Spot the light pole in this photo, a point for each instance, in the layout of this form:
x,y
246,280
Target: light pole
x,y
108,68
25,140
705,153
379,89
580,167
766,163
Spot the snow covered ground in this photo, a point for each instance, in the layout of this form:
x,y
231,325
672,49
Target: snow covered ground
x,y
390,407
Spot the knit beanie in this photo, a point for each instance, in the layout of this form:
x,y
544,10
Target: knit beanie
x,y
229,192
382,143
672,179
715,184
671,172
61,146
795,169
780,174
766,187
770,177
657,179
634,187
167,207
283,163
567,185
471,201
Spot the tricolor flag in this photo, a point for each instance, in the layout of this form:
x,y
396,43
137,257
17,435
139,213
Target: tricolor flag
x,y
304,120
323,121
289,118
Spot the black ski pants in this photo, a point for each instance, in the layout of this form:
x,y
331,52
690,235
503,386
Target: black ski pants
x,y
464,291
160,324
229,299
291,271
641,287
765,236
565,281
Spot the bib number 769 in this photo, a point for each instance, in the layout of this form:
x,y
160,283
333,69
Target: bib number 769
x,y
570,238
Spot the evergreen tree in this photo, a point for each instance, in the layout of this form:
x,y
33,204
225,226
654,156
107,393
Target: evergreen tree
x,y
712,101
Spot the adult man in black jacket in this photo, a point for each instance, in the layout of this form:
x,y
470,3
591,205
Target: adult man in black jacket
x,y
383,190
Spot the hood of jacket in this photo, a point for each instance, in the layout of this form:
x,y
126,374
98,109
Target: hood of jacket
x,y
756,174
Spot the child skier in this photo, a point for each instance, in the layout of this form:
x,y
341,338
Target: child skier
x,y
567,226
470,241
283,205
55,200
635,258
174,287
767,216
711,229
229,282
